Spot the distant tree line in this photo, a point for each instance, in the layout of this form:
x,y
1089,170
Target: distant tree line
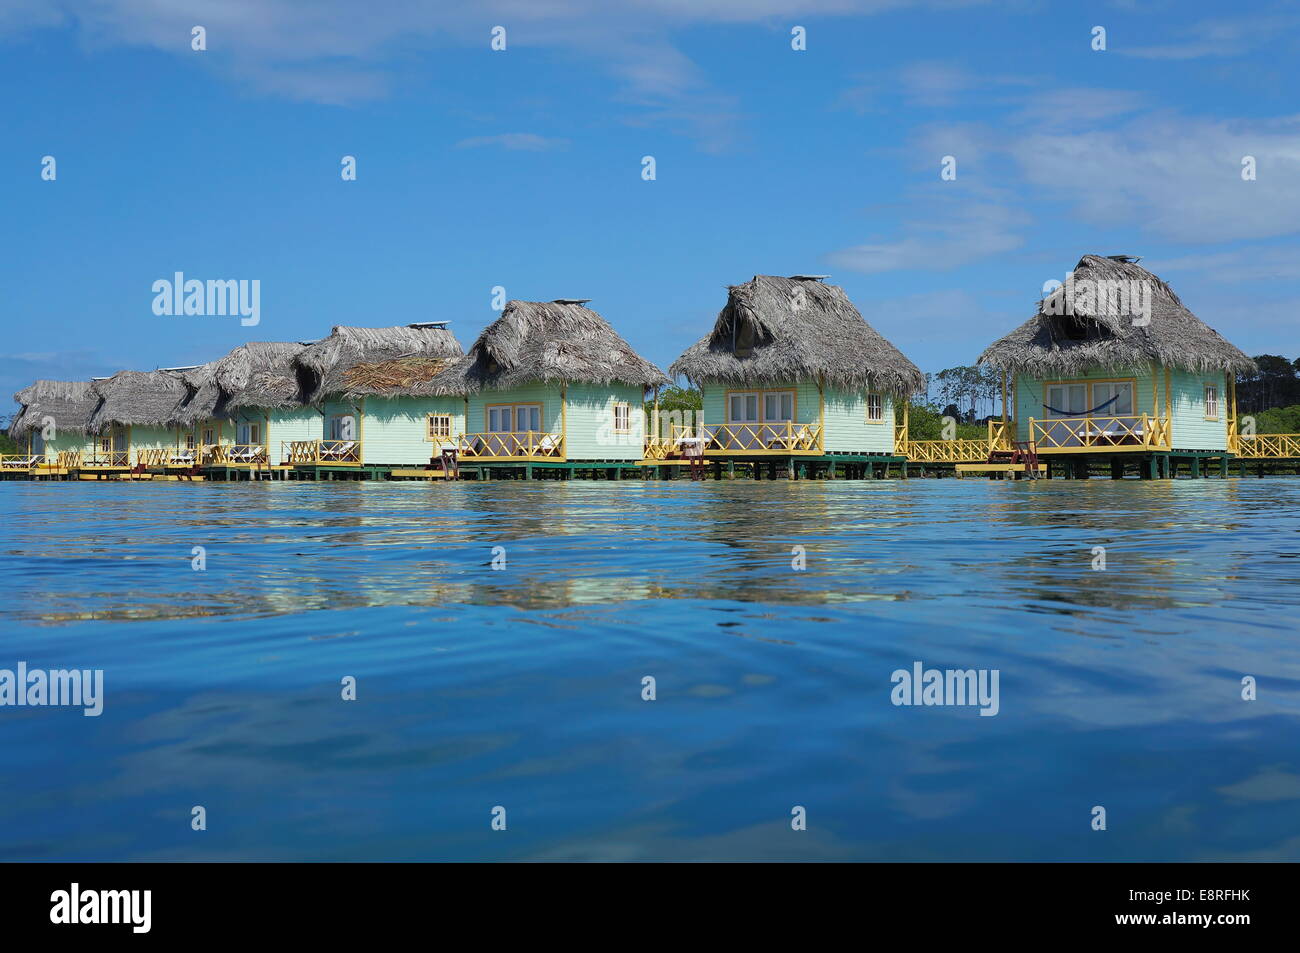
x,y
1277,384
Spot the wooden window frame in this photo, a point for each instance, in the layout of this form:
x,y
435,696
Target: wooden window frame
x,y
428,427
627,416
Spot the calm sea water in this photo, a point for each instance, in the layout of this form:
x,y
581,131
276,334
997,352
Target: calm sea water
x,y
522,687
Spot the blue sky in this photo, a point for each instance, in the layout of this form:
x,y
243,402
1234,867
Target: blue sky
x,y
522,168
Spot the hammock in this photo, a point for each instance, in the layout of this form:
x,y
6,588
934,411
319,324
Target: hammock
x,y
1086,413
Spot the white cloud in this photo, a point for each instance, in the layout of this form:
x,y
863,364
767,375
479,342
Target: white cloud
x,y
523,141
1216,38
1175,177
953,234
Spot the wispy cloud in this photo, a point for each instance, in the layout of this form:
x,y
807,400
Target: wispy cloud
x,y
951,234
325,52
520,141
1217,38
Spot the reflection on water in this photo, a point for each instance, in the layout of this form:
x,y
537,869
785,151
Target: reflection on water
x,y
1120,687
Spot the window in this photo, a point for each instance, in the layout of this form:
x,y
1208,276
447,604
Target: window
x,y
1089,398
1116,396
343,427
1211,402
189,441
742,408
875,408
439,426
514,418
622,418
249,435
208,436
778,406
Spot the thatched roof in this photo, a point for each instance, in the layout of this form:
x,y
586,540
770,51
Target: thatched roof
x,y
547,341
1102,334
257,374
140,398
200,398
790,329
70,404
327,362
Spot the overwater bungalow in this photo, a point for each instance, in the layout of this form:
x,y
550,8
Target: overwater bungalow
x,y
790,371
132,424
59,410
550,384
371,387
1114,366
248,405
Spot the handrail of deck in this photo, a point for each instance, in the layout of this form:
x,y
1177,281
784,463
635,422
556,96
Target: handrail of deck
x,y
1265,446
321,452
527,443
104,458
785,436
1126,432
20,461
963,450
238,454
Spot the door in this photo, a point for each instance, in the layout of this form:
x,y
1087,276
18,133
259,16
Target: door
x,y
742,420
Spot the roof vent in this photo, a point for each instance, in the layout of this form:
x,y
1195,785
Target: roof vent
x,y
310,343
1126,259
429,324
177,370
808,277
570,301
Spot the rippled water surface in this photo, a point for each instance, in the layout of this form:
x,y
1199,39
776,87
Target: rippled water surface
x,y
522,687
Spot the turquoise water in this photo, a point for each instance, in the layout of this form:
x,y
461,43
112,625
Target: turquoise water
x,y
522,687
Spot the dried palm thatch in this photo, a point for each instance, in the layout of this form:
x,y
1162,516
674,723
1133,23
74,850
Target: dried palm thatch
x,y
1084,325
257,374
327,362
403,375
547,341
138,398
70,404
792,329
200,398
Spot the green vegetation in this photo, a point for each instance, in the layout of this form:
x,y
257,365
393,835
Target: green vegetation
x,y
678,398
926,423
1276,420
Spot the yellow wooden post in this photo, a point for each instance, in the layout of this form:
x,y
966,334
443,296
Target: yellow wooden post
x,y
1169,409
564,421
907,431
821,417
655,427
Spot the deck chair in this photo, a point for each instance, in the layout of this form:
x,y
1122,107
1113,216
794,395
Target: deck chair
x,y
549,445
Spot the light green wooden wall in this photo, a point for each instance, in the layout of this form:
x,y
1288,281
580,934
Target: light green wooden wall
x,y
590,422
847,429
299,423
395,429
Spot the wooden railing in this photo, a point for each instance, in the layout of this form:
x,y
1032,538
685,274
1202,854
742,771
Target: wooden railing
x,y
510,446
1128,432
964,450
152,457
321,452
658,448
68,459
238,454
767,439
20,461
1265,446
105,458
